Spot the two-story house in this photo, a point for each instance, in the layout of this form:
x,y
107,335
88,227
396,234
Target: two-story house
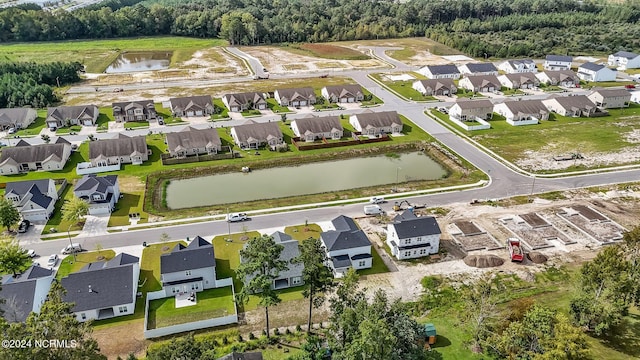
x,y
448,71
23,294
437,87
523,112
190,268
17,118
347,246
470,110
71,115
34,199
410,237
290,250
377,123
624,60
25,157
252,135
295,97
101,192
557,62
190,106
313,128
518,66
610,98
596,72
141,110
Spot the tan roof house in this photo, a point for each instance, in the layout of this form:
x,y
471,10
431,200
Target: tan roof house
x,y
376,123
610,98
244,101
566,78
525,80
575,106
438,87
313,128
252,135
192,106
121,150
470,110
142,110
295,97
191,141
26,157
480,83
523,112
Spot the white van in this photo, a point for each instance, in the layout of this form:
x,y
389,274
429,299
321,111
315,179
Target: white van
x,y
75,247
373,210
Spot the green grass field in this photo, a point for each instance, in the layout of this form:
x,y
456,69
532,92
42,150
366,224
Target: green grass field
x,y
68,266
403,88
150,264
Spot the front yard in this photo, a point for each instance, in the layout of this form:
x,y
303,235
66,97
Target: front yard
x,y
403,88
68,266
56,223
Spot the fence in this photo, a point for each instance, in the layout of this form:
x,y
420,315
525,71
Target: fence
x,y
63,185
168,160
196,325
301,147
85,168
483,124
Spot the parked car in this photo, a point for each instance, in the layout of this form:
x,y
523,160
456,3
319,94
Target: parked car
x,y
31,253
12,130
377,200
24,226
117,90
75,247
628,86
237,217
52,261
373,210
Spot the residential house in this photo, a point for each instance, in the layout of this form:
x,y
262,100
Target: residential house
x,y
101,192
26,157
523,112
571,105
347,246
121,150
610,98
449,71
192,141
484,68
242,356
518,66
635,96
192,106
71,115
435,87
34,199
410,236
480,83
624,60
188,268
293,276
23,294
470,110
557,62
313,128
343,93
252,135
244,101
526,80
295,97
565,78
17,118
103,289
376,123
141,110
595,72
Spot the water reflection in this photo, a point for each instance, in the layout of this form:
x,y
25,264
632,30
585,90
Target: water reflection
x,y
140,61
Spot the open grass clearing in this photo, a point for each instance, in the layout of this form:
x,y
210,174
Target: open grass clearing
x,y
68,265
506,91
303,232
433,47
326,51
136,124
132,191
222,113
403,88
595,84
275,107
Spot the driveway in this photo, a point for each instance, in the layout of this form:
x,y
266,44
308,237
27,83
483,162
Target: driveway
x,y
95,225
32,236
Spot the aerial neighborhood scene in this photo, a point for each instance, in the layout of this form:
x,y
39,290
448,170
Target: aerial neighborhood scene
x,y
312,180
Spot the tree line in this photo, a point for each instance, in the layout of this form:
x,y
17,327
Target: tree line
x,y
31,84
250,22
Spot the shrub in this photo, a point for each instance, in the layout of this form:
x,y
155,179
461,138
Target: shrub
x,y
240,339
298,328
251,336
276,332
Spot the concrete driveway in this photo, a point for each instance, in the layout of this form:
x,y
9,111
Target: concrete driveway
x,y
32,236
95,225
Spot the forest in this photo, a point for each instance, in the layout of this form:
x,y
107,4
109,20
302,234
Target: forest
x,y
30,84
500,28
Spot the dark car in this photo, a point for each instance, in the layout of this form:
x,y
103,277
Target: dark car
x,y
24,226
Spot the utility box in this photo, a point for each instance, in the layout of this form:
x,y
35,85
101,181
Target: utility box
x,y
430,333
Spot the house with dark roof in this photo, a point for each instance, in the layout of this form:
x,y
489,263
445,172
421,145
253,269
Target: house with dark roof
x,y
610,98
17,118
410,236
291,250
25,157
483,68
526,80
470,110
349,93
192,141
23,294
192,106
596,72
566,78
242,356
448,71
104,289
624,60
244,101
437,87
376,123
295,97
523,112
101,192
575,106
518,66
480,83
62,116
190,268
34,199
121,150
253,135
347,246
141,110
314,128
557,62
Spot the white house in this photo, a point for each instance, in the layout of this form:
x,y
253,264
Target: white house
x,y
438,87
557,62
470,110
566,78
348,93
24,293
34,199
410,237
25,157
252,135
480,83
17,118
347,246
595,72
574,106
518,66
523,112
624,60
103,289
101,192
313,128
526,80
485,68
295,97
440,71
610,98
190,268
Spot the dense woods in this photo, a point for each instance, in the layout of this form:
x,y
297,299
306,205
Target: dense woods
x,y
496,27
31,84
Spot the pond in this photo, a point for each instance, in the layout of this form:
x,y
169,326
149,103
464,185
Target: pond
x,y
140,61
301,180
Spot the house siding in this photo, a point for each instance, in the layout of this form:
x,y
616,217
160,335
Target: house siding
x,y
208,279
458,113
431,244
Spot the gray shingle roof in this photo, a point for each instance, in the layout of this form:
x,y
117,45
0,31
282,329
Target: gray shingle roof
x,y
13,116
244,98
290,251
419,226
32,153
344,223
437,84
613,92
20,188
257,131
39,198
62,113
378,119
318,124
443,69
522,78
515,63
626,54
191,138
563,58
120,146
482,81
346,235
579,102
591,66
197,255
343,91
481,67
474,104
341,261
95,183
122,107
191,103
529,107
242,356
561,75
18,300
296,94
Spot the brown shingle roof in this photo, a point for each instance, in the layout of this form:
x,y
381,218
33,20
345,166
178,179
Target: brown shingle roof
x,y
191,138
252,130
318,124
120,146
32,153
378,119
191,102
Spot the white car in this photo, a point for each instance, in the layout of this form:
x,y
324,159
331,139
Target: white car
x,y
237,217
31,253
53,260
377,200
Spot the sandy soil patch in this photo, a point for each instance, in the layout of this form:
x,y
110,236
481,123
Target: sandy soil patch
x,y
543,160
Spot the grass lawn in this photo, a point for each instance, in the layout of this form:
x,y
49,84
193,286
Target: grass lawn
x,y
464,93
150,264
136,124
591,84
68,266
303,232
403,88
66,130
275,107
326,105
130,203
401,55
167,116
377,265
326,51
506,91
374,99
251,112
210,303
221,111
56,221
36,126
